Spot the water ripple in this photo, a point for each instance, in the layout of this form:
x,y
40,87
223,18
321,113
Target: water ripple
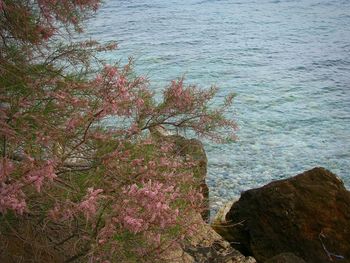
x,y
287,61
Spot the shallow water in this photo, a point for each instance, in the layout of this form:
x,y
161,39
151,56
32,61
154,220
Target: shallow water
x,y
288,62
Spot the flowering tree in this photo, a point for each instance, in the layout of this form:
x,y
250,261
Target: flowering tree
x,y
73,188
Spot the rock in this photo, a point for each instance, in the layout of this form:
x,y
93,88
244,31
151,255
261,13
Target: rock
x,y
285,258
308,215
219,218
206,246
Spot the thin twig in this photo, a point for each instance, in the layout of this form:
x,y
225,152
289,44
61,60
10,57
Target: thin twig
x,y
330,255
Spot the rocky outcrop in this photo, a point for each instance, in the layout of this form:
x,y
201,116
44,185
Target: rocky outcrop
x,y
206,246
307,215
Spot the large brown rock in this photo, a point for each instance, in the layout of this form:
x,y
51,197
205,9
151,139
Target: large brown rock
x,y
307,215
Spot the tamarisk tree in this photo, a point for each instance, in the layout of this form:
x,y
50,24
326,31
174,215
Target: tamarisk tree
x,y
73,187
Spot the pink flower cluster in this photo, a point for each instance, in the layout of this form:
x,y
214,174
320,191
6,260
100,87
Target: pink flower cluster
x,y
11,195
88,207
57,8
179,97
90,203
120,96
148,206
37,176
12,198
135,225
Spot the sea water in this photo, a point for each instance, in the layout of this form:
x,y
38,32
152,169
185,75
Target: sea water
x,y
287,61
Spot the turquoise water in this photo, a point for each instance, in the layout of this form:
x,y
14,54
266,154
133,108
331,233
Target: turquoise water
x,y
288,62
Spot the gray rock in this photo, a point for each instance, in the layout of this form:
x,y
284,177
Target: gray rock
x,y
207,246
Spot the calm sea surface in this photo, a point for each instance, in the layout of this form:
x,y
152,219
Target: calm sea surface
x,y
288,62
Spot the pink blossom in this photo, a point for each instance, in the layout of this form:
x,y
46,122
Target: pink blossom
x,y
12,198
139,102
149,204
37,176
89,206
107,232
110,71
133,224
